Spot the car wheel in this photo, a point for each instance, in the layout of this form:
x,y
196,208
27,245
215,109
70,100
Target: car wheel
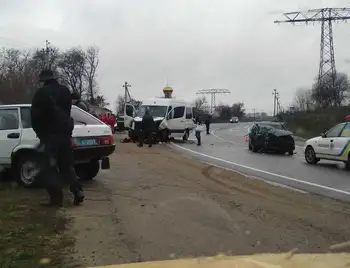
x,y
291,153
26,169
87,171
310,156
254,148
186,135
249,146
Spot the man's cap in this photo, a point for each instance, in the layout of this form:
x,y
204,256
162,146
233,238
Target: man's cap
x,y
46,75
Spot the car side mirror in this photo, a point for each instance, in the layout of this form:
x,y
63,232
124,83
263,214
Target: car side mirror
x,y
323,135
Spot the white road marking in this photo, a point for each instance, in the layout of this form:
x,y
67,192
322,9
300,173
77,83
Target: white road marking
x,y
266,172
257,178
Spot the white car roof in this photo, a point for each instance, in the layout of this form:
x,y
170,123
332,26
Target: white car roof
x,y
15,105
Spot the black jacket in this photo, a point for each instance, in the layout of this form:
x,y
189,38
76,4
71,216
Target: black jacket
x,y
148,124
51,110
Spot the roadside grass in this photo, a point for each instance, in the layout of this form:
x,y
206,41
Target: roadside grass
x,y
30,236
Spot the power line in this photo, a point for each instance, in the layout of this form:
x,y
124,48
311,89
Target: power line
x,y
212,92
326,16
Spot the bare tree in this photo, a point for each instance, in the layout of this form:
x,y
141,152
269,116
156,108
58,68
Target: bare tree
x,y
328,94
72,69
92,61
120,103
303,100
238,109
199,102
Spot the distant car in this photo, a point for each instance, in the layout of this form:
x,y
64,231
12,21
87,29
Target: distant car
x,y
333,145
234,120
270,137
92,143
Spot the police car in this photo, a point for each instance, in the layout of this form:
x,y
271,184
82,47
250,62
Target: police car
x,y
92,143
333,145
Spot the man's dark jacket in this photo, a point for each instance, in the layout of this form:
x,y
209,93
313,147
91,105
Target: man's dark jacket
x,y
51,109
148,124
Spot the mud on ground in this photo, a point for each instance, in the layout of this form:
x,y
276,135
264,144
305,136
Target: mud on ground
x,y
155,204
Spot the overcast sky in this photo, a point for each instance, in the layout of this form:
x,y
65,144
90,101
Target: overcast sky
x,y
195,44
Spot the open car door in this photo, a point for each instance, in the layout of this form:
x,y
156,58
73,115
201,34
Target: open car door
x,y
129,113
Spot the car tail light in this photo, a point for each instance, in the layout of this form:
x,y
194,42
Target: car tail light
x,y
74,142
106,140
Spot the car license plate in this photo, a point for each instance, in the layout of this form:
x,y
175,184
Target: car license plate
x,y
87,142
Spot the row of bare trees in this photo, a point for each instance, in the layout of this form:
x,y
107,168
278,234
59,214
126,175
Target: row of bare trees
x,y
325,95
75,67
224,111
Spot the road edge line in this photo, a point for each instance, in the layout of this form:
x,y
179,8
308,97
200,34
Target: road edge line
x,y
266,172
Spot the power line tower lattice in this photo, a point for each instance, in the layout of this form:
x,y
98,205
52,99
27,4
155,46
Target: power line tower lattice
x,y
212,92
326,16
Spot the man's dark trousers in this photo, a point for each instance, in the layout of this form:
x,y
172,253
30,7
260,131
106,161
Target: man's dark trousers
x,y
207,125
57,166
146,135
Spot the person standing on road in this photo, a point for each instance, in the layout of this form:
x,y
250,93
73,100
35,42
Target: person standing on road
x,y
52,122
147,128
198,130
207,122
76,100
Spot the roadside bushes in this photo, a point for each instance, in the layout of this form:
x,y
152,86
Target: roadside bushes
x,y
312,123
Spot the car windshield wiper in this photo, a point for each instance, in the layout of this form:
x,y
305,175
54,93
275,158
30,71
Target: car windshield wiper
x,y
81,122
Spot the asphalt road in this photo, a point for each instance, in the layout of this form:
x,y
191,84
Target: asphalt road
x,y
226,147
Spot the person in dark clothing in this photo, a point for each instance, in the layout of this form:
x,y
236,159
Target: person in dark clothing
x,y
147,127
207,123
51,121
76,100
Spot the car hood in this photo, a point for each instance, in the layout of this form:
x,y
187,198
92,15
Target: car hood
x,y
280,132
283,260
139,119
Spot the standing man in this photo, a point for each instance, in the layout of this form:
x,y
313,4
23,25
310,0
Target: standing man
x,y
52,122
147,127
76,100
207,122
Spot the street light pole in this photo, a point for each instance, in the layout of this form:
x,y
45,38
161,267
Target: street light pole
x,y
274,93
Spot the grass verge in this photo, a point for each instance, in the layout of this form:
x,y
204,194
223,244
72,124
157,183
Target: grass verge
x,y
30,236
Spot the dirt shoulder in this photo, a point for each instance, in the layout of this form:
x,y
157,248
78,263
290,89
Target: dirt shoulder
x,y
155,204
30,236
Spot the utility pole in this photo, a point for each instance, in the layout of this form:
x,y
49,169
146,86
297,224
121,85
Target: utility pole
x,y
254,114
326,16
127,97
275,94
213,93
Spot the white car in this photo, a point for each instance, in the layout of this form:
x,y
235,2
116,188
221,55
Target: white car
x,y
92,141
234,120
332,145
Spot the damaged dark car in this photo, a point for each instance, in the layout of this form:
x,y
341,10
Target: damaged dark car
x,y
271,137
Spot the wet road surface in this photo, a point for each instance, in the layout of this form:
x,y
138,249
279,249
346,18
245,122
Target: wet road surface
x,y
226,147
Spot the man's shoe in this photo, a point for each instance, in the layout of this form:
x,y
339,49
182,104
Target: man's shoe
x,y
78,197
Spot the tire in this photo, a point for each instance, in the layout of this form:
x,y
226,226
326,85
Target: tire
x,y
88,171
25,169
186,135
249,146
310,156
290,153
254,148
347,163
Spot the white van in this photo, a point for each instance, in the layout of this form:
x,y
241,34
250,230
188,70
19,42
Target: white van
x,y
175,115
